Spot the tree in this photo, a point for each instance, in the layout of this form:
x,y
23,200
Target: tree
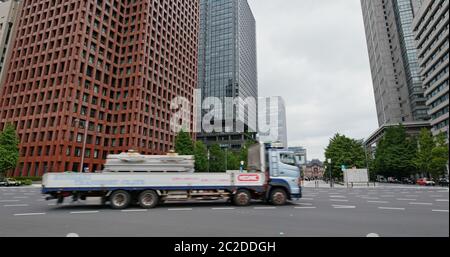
x,y
201,157
439,157
233,162
395,153
426,144
184,144
344,151
9,149
217,159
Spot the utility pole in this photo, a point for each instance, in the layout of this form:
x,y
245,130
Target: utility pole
x,y
329,163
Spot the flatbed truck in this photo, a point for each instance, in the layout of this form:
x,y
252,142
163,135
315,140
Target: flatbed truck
x,y
130,178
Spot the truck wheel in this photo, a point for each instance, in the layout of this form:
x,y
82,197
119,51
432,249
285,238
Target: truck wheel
x,y
120,199
278,197
242,198
148,199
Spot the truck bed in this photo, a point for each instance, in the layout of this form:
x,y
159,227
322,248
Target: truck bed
x,y
53,182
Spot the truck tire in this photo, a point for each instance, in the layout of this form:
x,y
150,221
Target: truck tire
x,y
120,199
148,199
278,197
242,198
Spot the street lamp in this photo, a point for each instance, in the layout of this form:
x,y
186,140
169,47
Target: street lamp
x,y
329,163
84,143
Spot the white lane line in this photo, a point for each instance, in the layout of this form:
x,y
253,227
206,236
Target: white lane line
x,y
406,199
41,200
308,199
337,196
138,210
387,195
370,198
181,209
441,200
83,212
440,210
51,204
443,191
225,208
265,208
415,203
338,200
15,205
436,196
391,208
305,207
344,206
72,235
20,197
9,201
377,201
373,235
29,214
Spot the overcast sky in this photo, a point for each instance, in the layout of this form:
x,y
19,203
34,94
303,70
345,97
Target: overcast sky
x,y
313,53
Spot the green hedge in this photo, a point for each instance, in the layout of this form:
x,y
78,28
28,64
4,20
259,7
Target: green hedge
x,y
28,178
26,182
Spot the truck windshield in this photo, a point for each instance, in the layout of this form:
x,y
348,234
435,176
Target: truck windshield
x,y
287,159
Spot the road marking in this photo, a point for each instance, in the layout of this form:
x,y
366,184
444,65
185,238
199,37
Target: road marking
x,y
344,206
377,201
373,235
441,200
308,199
51,204
405,199
83,212
303,204
337,196
420,203
8,201
226,208
436,196
29,214
391,208
72,235
41,200
181,209
20,197
138,210
305,207
387,195
338,200
370,198
265,208
440,210
15,205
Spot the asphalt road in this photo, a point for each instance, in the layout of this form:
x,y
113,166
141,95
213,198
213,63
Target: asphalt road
x,y
392,211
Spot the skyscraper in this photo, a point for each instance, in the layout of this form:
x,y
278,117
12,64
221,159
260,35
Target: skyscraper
x,y
227,62
8,14
399,94
97,75
431,32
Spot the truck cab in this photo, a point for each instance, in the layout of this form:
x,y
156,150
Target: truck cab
x,y
283,168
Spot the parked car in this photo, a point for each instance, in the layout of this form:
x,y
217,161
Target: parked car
x,y
381,179
393,180
408,181
443,182
9,182
425,182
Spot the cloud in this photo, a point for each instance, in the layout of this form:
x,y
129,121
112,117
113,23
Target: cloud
x,y
313,53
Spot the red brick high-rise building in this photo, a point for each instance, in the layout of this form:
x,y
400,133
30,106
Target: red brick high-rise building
x,y
111,66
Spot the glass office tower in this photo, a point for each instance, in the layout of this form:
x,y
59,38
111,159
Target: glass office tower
x,y
227,65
